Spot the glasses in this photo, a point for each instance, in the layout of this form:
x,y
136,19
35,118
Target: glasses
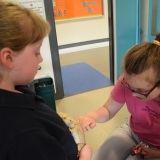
x,y
145,94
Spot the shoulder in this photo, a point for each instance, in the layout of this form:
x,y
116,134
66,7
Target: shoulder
x,y
118,92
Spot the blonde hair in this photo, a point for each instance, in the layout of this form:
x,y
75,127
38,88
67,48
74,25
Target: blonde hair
x,y
20,26
142,57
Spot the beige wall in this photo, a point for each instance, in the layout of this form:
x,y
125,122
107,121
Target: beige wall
x,y
81,30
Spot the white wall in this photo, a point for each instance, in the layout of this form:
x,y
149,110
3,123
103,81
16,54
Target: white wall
x,y
85,29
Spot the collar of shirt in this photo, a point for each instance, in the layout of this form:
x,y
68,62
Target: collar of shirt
x,y
26,99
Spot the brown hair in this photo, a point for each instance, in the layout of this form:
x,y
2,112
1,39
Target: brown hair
x,y
20,26
142,57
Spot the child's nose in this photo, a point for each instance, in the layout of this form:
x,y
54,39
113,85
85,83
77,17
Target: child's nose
x,y
40,59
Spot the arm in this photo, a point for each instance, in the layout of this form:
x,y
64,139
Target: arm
x,y
86,153
101,115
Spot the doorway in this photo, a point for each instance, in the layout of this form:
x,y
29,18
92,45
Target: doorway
x,y
87,44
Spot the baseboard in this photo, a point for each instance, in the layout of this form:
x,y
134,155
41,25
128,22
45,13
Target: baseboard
x,y
83,47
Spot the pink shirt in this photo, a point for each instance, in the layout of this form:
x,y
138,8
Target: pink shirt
x,y
145,116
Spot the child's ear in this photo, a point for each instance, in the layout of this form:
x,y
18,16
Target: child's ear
x,y
6,57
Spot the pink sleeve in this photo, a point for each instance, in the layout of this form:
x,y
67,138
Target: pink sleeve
x,y
118,93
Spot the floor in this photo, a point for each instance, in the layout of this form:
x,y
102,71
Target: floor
x,y
80,104
97,58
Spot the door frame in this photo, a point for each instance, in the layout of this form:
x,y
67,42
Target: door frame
x,y
59,93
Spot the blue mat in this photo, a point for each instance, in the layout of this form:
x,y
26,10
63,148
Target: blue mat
x,y
81,77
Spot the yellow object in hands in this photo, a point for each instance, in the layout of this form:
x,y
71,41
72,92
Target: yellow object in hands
x,y
75,128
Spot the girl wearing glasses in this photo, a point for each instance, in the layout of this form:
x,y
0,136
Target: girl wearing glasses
x,y
139,88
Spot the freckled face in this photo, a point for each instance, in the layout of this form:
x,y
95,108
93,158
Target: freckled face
x,y
26,63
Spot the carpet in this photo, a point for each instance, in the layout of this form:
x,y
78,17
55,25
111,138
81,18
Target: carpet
x,y
81,77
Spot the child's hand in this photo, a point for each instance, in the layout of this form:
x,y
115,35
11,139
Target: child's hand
x,y
139,151
86,122
151,152
86,153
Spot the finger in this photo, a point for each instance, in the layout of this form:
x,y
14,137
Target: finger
x,y
82,123
92,125
85,129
